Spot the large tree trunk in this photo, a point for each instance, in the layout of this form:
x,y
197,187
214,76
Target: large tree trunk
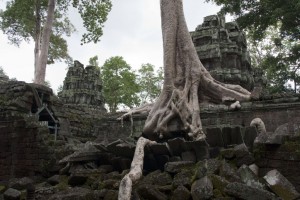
x,y
37,37
185,79
47,30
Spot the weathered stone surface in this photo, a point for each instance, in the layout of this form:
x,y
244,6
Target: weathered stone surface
x,y
254,168
219,183
158,178
175,167
121,148
232,136
82,86
249,178
280,185
176,146
77,193
20,184
188,156
243,156
54,180
202,189
184,177
77,179
12,194
181,193
148,191
249,136
223,51
229,172
242,191
160,149
214,137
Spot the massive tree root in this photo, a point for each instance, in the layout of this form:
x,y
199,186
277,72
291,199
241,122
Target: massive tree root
x,y
136,170
186,81
185,78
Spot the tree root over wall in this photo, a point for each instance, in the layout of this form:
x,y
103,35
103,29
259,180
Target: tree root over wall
x,y
186,84
136,170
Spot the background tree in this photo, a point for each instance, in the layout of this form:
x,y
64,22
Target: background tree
x,y
94,61
150,83
33,19
119,84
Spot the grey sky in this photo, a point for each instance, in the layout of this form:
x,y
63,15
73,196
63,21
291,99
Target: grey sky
x,y
132,31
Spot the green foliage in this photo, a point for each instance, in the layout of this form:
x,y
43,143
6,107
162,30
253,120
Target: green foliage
x,y
2,72
150,82
259,15
278,57
94,14
119,84
19,21
94,61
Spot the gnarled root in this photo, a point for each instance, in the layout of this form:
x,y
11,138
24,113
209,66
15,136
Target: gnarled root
x,y
143,109
136,169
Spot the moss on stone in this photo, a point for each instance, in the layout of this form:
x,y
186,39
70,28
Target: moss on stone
x,y
283,192
2,189
63,183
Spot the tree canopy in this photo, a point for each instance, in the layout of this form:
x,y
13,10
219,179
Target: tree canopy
x,y
46,22
259,15
119,84
150,82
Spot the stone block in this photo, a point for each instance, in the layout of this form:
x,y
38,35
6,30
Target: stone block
x,y
249,136
159,149
214,137
175,146
232,136
202,189
12,194
188,156
280,185
242,191
175,167
181,193
249,178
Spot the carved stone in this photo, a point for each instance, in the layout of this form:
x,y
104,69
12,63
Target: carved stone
x,y
222,49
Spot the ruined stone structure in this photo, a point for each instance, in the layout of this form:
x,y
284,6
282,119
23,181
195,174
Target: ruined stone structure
x,y
82,86
222,49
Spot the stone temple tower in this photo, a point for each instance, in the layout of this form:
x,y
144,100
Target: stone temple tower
x,y
82,86
222,48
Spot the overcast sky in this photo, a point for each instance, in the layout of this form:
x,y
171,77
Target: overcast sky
x,y
132,30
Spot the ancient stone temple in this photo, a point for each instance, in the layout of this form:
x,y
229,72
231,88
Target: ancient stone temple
x,y
82,86
222,48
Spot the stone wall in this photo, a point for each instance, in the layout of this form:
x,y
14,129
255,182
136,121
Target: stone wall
x,y
273,110
23,147
283,157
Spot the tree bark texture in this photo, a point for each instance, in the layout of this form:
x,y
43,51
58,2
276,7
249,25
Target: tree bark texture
x,y
43,57
136,170
186,80
37,37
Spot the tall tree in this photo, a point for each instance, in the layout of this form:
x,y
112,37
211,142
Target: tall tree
x,y
150,83
185,81
119,84
33,19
